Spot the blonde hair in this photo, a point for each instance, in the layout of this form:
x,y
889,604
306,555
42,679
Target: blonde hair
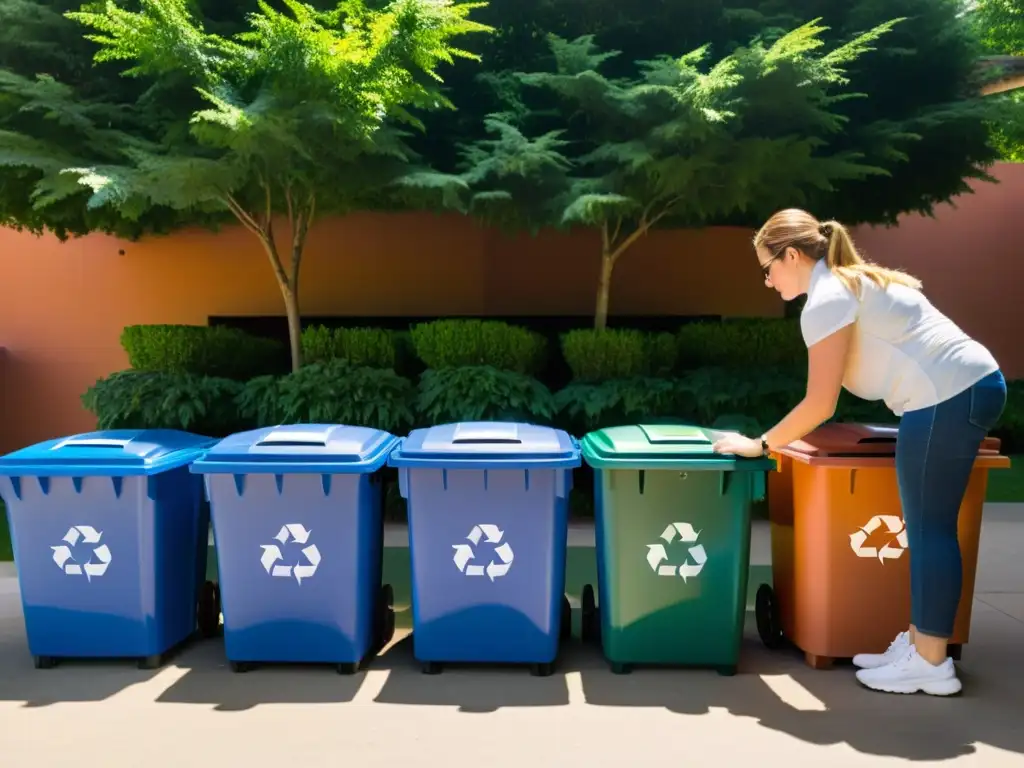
x,y
828,240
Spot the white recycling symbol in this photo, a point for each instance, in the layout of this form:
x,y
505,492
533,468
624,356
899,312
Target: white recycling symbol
x,y
656,553
272,553
495,568
894,525
99,559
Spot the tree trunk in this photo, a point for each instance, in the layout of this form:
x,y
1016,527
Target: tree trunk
x,y
291,308
604,284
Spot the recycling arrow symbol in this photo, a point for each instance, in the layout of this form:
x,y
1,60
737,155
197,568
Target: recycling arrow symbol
x,y
894,525
297,533
65,559
657,554
495,568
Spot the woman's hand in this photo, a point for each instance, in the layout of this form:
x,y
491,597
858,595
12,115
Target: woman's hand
x,y
738,445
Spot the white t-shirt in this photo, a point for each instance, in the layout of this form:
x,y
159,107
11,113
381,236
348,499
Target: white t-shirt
x,y
904,351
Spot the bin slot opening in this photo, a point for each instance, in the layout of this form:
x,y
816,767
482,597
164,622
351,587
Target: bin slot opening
x,y
96,442
877,441
285,443
295,438
487,441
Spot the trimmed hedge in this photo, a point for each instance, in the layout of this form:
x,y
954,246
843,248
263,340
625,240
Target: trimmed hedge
x,y
743,374
201,350
370,347
457,343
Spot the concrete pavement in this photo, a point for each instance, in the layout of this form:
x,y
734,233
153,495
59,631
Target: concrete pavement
x,y
775,712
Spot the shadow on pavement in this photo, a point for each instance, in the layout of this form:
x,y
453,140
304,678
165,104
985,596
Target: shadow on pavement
x,y
474,688
71,681
209,680
909,727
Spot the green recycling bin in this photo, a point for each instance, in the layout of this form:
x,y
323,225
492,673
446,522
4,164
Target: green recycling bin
x,y
672,523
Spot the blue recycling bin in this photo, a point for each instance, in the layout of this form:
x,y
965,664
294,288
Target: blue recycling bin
x,y
110,542
488,522
298,527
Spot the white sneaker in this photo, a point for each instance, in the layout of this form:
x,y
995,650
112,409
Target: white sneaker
x,y
910,673
875,660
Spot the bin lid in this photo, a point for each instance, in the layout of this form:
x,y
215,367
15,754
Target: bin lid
x,y
486,444
852,440
112,452
657,446
299,449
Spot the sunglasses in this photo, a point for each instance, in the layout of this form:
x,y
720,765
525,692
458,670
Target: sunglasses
x,y
767,267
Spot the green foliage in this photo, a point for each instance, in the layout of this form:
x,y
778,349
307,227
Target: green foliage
x,y
1000,25
482,392
742,342
584,406
144,400
200,350
681,142
297,114
56,111
303,113
455,343
332,392
371,347
1010,429
594,355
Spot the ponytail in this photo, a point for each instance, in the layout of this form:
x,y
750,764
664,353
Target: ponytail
x,y
846,263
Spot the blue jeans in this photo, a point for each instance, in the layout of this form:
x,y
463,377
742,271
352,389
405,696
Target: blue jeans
x,y
935,453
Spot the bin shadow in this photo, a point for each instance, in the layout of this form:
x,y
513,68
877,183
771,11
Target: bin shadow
x,y
828,707
209,680
476,688
73,680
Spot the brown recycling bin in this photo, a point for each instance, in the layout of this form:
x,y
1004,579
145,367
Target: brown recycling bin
x,y
839,564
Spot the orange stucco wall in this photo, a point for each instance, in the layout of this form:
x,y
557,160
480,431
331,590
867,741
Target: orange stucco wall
x,y
62,306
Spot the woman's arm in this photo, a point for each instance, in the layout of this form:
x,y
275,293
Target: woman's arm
x,y
826,364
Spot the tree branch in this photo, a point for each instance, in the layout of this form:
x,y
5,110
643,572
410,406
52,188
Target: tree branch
x,y
268,243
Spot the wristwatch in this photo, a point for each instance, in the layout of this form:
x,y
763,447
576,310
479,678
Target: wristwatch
x,y
764,446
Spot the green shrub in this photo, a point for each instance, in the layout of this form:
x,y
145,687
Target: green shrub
x,y
584,406
741,343
457,343
370,347
594,355
147,400
474,393
200,350
332,392
1010,428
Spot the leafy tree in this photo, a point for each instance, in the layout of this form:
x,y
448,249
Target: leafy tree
x,y
673,144
1000,25
921,81
305,112
55,105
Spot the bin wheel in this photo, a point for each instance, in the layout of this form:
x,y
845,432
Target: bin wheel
x,y
208,613
385,619
44,662
620,669
542,670
347,668
956,650
766,611
727,671
590,625
240,667
431,668
565,630
151,662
